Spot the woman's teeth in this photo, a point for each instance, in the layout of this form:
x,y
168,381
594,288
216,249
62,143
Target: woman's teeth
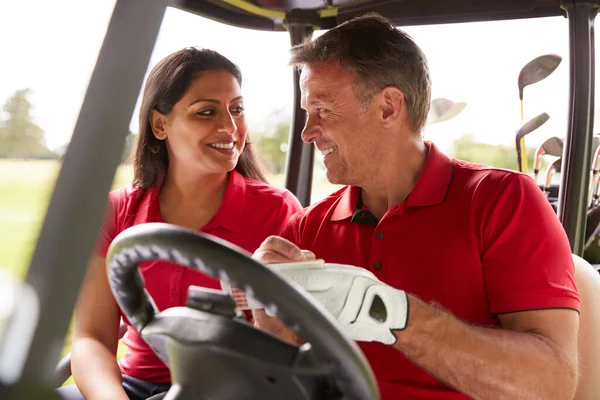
x,y
227,146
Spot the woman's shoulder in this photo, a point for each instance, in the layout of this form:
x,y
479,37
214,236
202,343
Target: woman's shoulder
x,y
265,191
126,200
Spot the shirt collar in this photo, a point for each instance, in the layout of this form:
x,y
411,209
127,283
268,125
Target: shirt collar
x,y
231,213
431,188
434,181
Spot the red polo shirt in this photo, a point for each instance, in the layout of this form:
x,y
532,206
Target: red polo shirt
x,y
250,212
477,240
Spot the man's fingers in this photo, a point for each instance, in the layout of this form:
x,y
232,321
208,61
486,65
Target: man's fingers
x,y
270,257
274,326
277,249
308,255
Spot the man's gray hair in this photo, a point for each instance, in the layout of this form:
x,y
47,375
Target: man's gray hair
x,y
379,55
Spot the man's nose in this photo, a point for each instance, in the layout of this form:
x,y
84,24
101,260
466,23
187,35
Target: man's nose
x,y
311,131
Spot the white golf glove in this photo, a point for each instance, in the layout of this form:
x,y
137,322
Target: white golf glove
x,y
366,307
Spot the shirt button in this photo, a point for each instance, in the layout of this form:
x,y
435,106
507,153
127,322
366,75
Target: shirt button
x,y
379,235
174,294
377,265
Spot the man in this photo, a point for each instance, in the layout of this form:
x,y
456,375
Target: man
x,y
470,286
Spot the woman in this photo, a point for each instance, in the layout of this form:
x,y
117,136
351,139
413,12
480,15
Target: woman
x,y
194,167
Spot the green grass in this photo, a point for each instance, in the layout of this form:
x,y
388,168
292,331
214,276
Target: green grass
x,y
25,190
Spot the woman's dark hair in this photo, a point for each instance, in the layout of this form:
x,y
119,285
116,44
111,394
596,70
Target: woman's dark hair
x,y
167,83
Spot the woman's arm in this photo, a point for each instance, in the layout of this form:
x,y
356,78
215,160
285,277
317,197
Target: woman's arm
x,y
95,337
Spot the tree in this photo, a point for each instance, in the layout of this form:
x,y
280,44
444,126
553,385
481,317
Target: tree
x,y
272,144
467,149
20,137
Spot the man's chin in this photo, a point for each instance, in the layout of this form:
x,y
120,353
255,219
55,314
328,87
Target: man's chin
x,y
335,178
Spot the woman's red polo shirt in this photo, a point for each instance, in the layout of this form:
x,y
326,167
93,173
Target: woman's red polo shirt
x,y
251,211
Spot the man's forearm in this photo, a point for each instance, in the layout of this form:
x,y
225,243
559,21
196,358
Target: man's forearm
x,y
486,363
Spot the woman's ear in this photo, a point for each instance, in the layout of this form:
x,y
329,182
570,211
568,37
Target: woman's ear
x,y
392,104
159,123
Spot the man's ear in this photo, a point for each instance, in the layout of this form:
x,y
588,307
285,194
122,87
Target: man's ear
x,y
392,104
159,124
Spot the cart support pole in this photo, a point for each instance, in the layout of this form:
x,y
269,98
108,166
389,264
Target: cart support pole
x,y
300,157
573,193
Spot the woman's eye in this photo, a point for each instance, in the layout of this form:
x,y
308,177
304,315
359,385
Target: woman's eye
x,y
206,113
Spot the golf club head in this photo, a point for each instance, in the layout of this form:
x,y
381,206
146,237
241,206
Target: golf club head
x,y
552,146
557,166
595,142
595,152
528,127
553,168
533,124
536,70
591,248
443,109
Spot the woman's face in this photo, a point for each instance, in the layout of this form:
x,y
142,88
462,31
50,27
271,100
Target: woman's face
x,y
206,130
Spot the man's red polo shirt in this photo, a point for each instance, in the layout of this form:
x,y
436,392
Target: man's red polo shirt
x,y
477,240
251,211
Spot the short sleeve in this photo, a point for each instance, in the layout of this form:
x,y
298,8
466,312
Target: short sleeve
x,y
293,228
289,206
526,256
108,230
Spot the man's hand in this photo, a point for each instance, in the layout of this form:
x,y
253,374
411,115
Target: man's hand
x,y
276,249
367,308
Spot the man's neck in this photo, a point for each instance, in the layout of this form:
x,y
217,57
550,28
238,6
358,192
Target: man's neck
x,y
395,179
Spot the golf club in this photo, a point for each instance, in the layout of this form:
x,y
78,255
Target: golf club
x,y
595,165
534,71
553,168
524,130
553,147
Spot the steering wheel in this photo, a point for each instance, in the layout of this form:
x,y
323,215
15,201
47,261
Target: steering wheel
x,y
211,351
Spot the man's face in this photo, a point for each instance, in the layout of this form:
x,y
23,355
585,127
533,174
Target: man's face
x,y
343,132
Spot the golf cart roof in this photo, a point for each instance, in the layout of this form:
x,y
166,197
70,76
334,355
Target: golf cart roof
x,y
271,15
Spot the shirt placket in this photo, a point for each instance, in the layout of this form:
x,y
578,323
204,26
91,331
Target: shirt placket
x,y
382,250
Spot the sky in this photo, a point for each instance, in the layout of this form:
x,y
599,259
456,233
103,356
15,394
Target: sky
x,y
53,51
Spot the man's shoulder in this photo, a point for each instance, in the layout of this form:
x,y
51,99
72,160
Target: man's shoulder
x,y
474,176
485,187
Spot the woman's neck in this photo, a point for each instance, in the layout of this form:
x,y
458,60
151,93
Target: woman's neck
x,y
191,200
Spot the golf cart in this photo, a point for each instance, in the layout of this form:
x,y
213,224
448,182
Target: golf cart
x,y
206,335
